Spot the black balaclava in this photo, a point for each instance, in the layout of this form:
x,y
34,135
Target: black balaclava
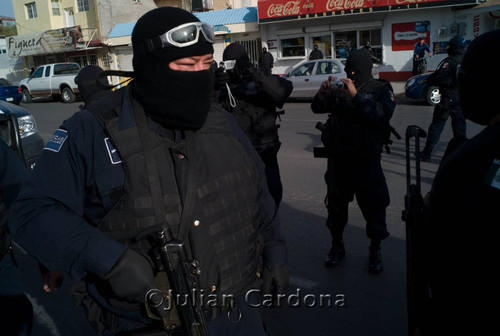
x,y
456,46
359,61
87,83
478,78
238,53
175,99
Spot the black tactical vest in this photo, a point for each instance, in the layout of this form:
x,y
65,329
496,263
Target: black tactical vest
x,y
257,117
221,228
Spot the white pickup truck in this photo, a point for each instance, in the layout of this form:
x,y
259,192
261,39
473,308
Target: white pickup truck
x,y
51,80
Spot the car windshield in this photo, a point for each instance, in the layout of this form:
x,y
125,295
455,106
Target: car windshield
x,y
5,82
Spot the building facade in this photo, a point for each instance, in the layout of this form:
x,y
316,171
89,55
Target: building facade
x,y
290,28
99,32
52,31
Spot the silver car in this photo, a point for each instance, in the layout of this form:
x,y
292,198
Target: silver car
x,y
307,76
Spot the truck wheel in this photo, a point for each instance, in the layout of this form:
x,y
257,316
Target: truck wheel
x,y
26,96
67,95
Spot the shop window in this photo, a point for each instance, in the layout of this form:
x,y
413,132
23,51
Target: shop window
x,y
83,5
345,43
56,10
31,10
292,47
324,43
373,36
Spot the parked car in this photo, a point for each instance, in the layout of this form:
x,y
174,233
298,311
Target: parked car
x,y
10,93
417,88
51,80
18,129
307,76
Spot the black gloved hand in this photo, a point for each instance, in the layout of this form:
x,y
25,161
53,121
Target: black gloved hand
x,y
221,78
131,277
275,279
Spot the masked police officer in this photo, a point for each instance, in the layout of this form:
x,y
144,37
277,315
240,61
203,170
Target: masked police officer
x,y
89,88
463,207
16,312
155,153
360,109
445,77
252,96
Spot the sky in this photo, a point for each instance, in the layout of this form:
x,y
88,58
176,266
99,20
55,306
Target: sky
x,y
6,8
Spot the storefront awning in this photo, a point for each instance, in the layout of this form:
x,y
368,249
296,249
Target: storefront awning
x,y
281,10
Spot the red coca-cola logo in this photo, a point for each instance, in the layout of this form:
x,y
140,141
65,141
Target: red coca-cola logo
x,y
290,8
335,5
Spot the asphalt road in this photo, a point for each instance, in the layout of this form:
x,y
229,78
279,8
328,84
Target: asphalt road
x,y
342,301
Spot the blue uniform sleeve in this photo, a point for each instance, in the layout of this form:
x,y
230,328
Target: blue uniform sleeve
x,y
12,174
275,252
55,215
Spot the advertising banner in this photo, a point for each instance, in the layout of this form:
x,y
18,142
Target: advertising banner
x,y
405,35
278,10
48,42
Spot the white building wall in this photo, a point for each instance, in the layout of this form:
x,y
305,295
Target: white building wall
x,y
444,19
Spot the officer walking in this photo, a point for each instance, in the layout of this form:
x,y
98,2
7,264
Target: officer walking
x,y
266,61
355,132
463,206
16,311
155,153
252,98
445,77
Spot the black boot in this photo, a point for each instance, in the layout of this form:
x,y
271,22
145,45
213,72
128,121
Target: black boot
x,y
375,264
337,252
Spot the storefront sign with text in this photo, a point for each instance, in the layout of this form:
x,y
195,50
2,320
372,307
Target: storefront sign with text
x,y
277,10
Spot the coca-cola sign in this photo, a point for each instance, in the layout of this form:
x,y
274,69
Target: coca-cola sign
x,y
287,9
273,10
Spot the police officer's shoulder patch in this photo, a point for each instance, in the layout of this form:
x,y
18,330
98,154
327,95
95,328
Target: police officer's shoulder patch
x,y
57,140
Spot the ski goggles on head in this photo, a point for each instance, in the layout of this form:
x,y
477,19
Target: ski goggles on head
x,y
181,36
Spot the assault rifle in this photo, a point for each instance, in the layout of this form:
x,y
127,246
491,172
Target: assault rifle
x,y
185,318
417,288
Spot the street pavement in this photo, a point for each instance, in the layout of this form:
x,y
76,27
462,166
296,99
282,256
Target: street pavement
x,y
341,301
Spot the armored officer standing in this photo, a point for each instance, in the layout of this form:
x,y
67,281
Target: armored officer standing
x,y
445,77
16,312
463,207
252,96
151,155
360,110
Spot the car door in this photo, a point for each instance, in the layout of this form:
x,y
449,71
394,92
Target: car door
x,y
39,81
301,79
